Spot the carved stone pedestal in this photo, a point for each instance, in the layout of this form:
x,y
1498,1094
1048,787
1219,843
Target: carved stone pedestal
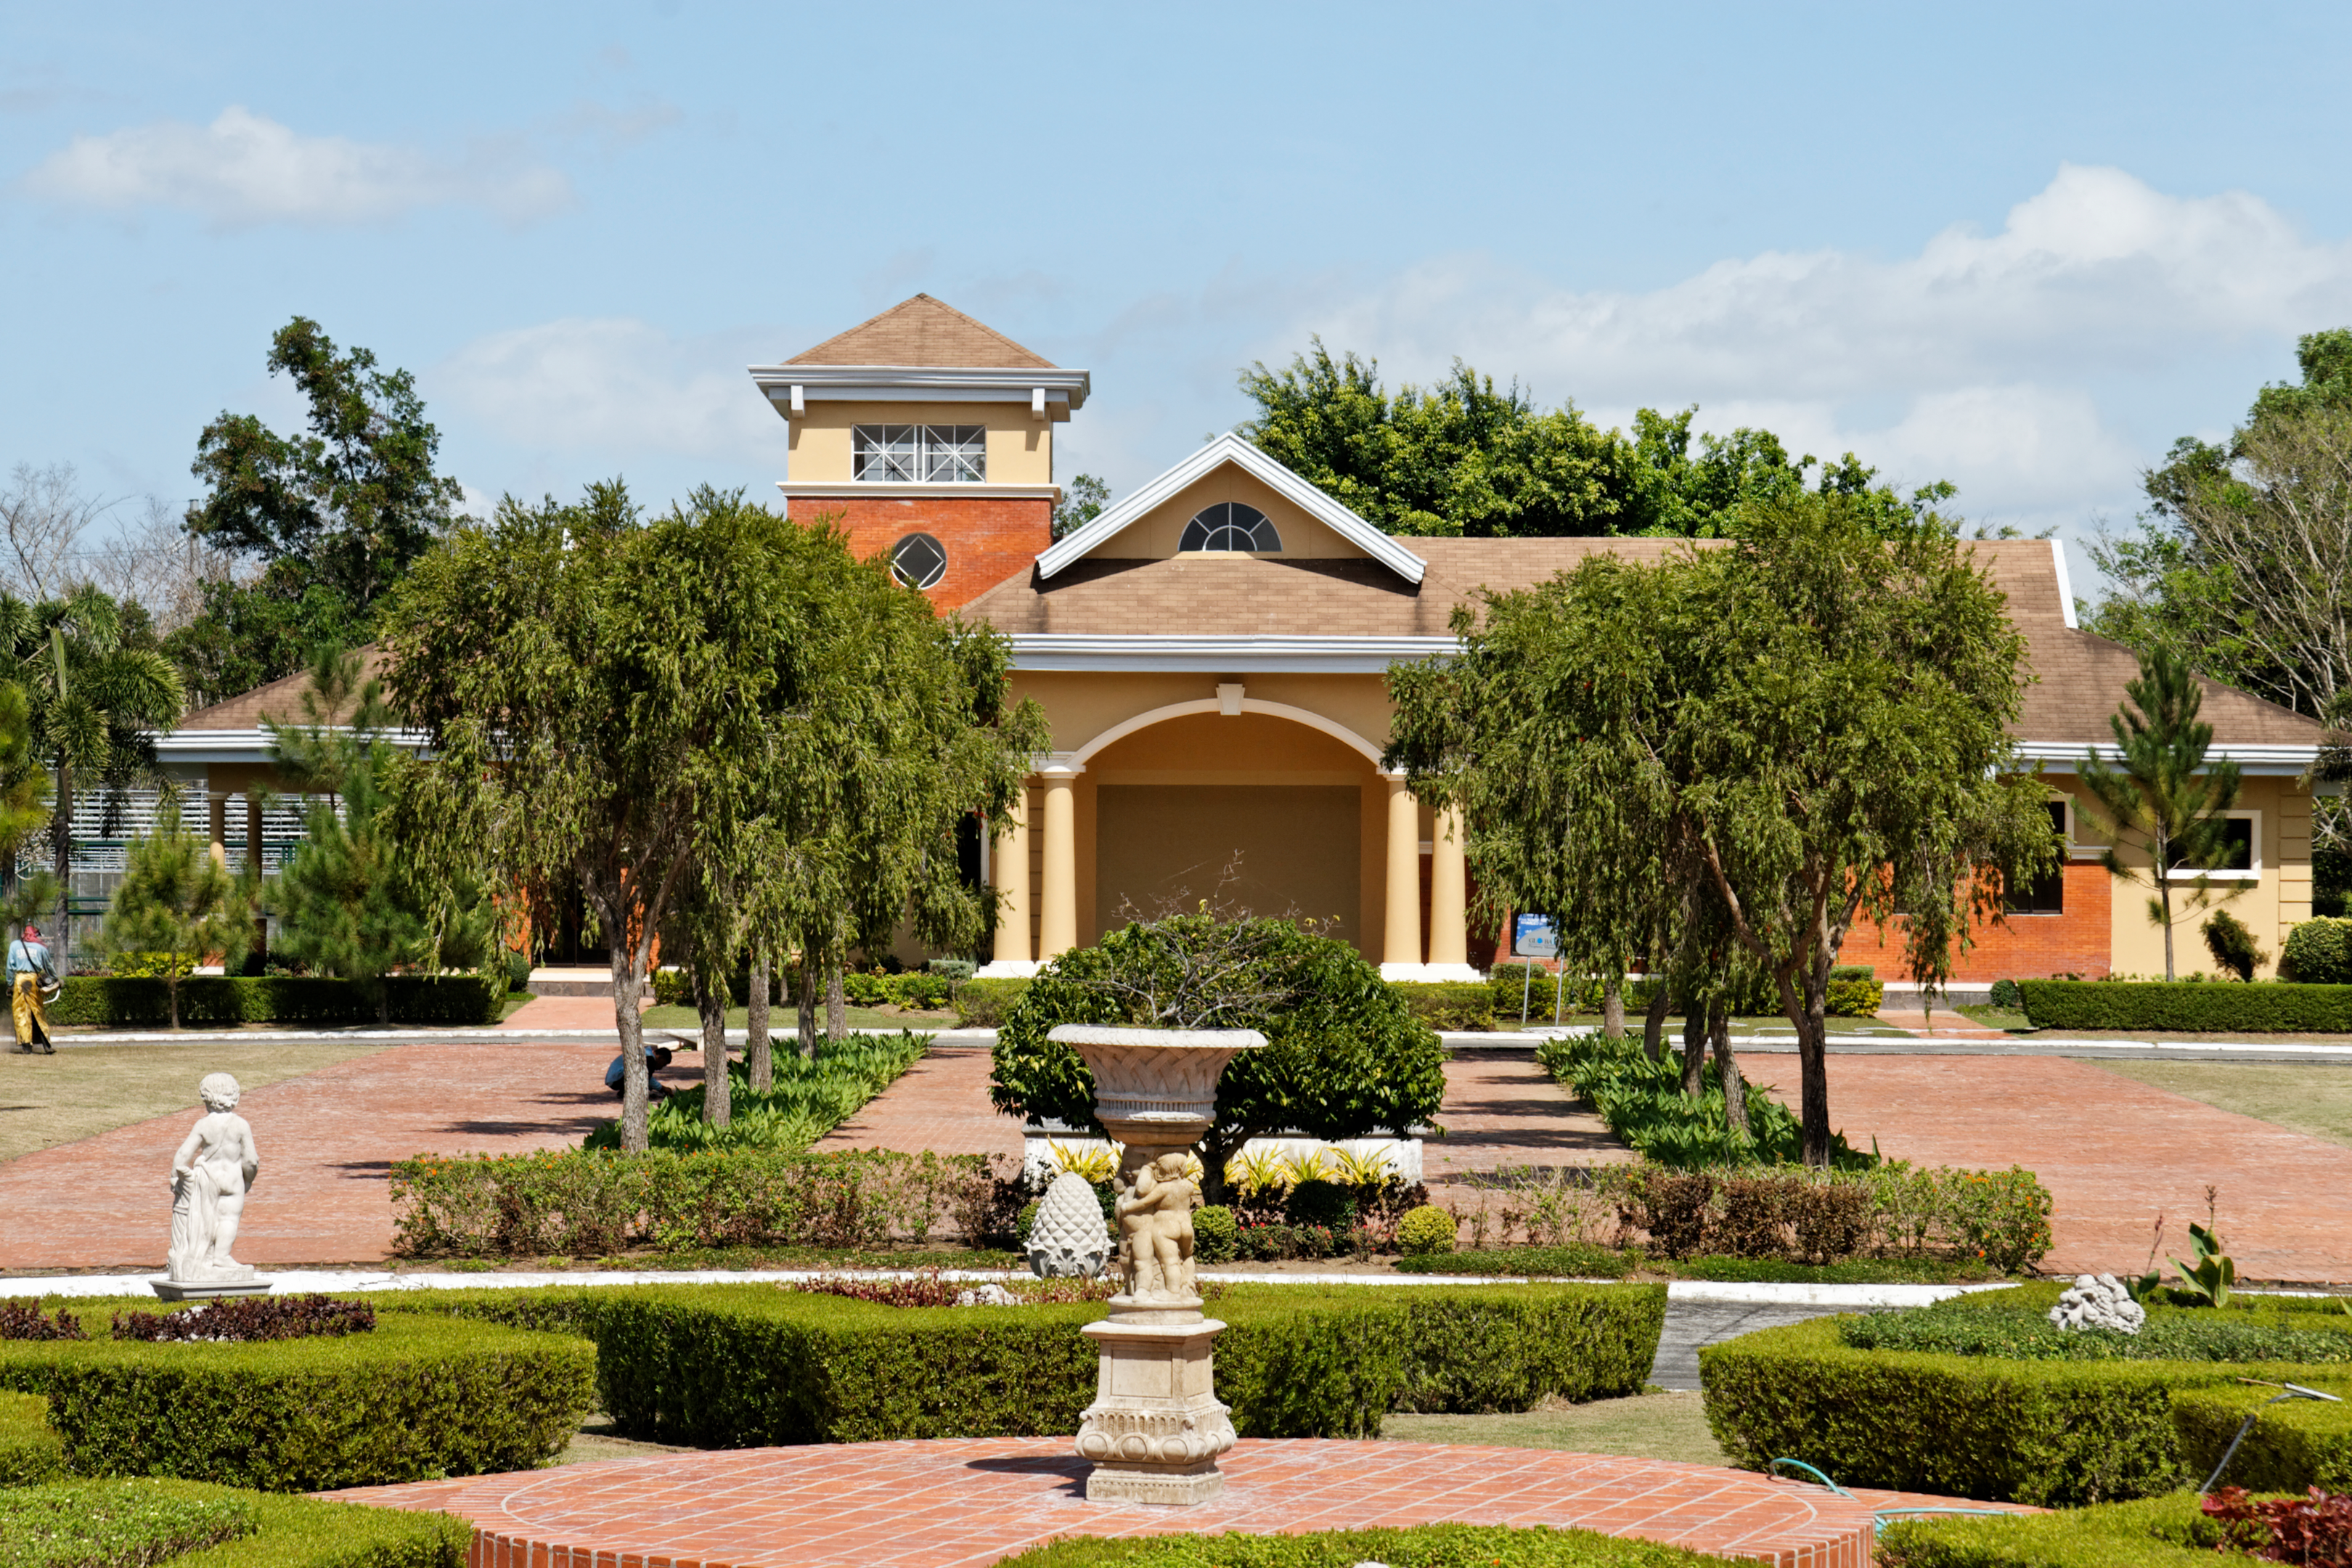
x,y
1155,1428
208,1290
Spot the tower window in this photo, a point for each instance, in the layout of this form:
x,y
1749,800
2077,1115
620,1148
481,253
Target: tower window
x,y
918,561
920,454
1230,525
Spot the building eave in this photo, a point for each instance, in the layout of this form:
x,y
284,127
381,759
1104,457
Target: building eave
x,y
1222,654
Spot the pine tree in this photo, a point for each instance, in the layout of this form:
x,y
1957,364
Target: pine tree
x,y
2166,794
177,900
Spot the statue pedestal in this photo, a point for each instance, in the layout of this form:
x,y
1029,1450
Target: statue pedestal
x,y
238,1281
1155,1428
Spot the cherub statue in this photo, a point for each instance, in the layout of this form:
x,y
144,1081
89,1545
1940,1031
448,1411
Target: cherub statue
x,y
1155,1225
215,1166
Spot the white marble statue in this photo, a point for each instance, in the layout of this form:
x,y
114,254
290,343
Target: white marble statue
x,y
1155,1223
215,1168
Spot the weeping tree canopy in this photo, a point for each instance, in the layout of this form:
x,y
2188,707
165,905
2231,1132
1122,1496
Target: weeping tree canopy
x,y
1806,725
1343,1058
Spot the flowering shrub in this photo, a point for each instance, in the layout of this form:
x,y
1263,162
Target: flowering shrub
x,y
240,1320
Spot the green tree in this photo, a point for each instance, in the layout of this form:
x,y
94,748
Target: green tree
x,y
98,691
1082,501
1806,724
24,810
1343,1058
177,900
348,903
332,518
2166,794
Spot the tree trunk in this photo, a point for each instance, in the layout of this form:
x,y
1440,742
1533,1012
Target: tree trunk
x,y
710,1002
836,1007
757,1052
1654,1022
1693,1049
171,986
627,983
1808,1010
2164,892
1726,1067
1613,1007
804,1005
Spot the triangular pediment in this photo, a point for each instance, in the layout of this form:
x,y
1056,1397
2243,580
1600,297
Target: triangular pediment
x,y
1150,523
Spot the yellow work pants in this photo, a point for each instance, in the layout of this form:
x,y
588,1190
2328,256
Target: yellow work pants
x,y
32,1022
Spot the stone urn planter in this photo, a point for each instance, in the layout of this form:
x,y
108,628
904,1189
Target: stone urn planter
x,y
1155,1428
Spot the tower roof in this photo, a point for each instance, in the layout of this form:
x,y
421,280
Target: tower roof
x,y
921,331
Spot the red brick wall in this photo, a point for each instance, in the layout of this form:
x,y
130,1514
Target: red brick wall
x,y
988,538
2020,947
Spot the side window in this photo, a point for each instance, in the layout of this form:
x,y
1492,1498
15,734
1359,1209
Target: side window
x,y
918,561
2046,894
910,454
1230,525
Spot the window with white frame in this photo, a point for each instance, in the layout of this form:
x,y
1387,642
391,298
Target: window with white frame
x,y
920,454
1230,525
2241,859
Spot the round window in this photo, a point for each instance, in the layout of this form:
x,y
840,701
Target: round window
x,y
918,561
1230,525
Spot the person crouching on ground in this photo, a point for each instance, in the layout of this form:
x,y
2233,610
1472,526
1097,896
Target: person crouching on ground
x,y
30,968
656,1058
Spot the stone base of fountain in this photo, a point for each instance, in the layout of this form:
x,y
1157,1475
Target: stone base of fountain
x,y
1156,1427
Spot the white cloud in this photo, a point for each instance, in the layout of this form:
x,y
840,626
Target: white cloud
x,y
618,387
244,169
2002,362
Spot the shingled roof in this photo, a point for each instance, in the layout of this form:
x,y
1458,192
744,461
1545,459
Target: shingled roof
x,y
2081,679
921,331
280,701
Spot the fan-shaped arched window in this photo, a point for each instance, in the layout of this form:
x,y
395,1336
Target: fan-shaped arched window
x,y
918,561
1230,525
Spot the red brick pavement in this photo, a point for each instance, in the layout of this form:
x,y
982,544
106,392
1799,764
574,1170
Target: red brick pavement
x,y
594,1015
963,1504
1502,1109
940,1104
2113,1153
327,1140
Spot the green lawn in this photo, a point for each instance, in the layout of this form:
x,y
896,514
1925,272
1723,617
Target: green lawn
x,y
1659,1426
2316,1101
84,1090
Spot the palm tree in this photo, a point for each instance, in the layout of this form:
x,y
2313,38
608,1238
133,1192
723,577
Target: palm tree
x,y
97,701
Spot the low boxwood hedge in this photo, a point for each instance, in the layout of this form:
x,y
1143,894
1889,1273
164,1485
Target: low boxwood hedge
x,y
1424,1546
1450,1003
272,1532
418,1396
29,1451
106,1001
2188,1007
747,1365
982,1003
2051,1433
2168,1531
2295,1444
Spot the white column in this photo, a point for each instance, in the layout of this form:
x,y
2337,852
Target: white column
x,y
1058,900
1449,901
1009,860
1400,946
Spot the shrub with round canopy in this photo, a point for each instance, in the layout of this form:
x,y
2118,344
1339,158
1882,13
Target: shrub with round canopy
x,y
1343,1058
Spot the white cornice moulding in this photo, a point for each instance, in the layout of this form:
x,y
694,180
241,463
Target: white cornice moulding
x,y
854,489
1224,655
1056,392
1231,448
2270,761
248,745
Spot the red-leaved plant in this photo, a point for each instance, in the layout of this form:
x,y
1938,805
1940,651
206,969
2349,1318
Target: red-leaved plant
x,y
241,1319
2313,1531
21,1319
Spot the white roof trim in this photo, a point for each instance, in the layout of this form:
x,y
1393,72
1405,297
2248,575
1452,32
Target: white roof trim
x,y
2065,585
1076,760
2060,757
944,383
1232,448
1222,655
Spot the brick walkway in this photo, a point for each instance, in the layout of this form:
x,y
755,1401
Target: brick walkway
x,y
1502,1109
327,1140
940,1104
965,1504
2113,1153
590,1014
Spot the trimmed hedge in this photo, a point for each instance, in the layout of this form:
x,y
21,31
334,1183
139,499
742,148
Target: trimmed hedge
x,y
2170,1531
1451,1004
2188,1006
288,1531
2295,1444
2318,953
751,1365
418,1397
108,1002
1424,1546
30,1452
2049,1432
982,1003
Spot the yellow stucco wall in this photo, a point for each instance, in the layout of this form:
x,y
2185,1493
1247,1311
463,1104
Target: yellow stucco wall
x,y
2269,903
1155,535
1020,450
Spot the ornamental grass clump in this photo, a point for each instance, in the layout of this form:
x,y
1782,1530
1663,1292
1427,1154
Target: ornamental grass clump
x,y
810,1096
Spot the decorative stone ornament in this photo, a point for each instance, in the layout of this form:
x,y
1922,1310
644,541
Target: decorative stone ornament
x,y
2099,1301
1156,1427
1067,1239
216,1165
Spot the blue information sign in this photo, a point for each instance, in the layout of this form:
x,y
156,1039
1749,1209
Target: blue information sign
x,y
1532,937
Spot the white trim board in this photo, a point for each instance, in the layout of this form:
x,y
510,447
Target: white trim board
x,y
1231,448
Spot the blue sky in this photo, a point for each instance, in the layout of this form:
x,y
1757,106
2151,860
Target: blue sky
x,y
2021,247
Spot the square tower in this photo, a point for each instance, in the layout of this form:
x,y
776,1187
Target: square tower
x,y
928,437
